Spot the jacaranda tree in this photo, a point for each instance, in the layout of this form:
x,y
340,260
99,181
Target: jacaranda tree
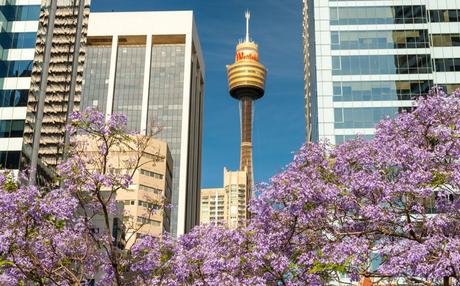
x,y
387,209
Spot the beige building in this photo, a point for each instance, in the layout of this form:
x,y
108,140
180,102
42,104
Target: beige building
x,y
150,189
227,204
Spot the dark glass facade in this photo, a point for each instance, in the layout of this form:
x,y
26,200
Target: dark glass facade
x,y
165,104
377,64
401,39
129,82
96,77
380,90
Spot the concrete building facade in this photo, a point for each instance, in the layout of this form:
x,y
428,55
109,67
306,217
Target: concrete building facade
x,y
228,204
55,87
149,66
144,200
371,59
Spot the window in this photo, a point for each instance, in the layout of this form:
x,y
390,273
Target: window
x,y
378,15
380,90
96,77
144,220
366,117
437,16
129,202
150,189
151,174
15,68
11,128
339,139
151,206
376,64
129,82
13,98
9,159
400,39
447,65
20,12
446,40
17,40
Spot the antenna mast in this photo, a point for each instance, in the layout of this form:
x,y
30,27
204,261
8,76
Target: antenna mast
x,y
248,16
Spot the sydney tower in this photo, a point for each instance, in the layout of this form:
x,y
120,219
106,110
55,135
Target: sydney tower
x,y
246,80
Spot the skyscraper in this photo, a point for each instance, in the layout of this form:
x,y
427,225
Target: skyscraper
x,y
38,67
149,66
371,59
246,80
18,30
55,83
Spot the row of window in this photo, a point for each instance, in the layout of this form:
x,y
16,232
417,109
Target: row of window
x,y
150,206
380,90
366,117
144,220
20,12
381,64
446,40
391,15
389,39
11,128
447,65
150,189
339,139
378,15
452,15
13,98
17,40
151,174
141,204
15,68
10,159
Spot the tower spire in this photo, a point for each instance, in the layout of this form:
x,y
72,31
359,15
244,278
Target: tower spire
x,y
248,16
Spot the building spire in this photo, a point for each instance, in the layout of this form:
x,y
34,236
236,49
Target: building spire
x,y
248,16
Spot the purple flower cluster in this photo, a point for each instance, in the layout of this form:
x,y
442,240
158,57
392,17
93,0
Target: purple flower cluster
x,y
386,209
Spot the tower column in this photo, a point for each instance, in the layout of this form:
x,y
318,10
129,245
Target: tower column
x,y
246,139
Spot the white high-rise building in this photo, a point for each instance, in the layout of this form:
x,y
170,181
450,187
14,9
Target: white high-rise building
x,y
149,66
18,30
371,59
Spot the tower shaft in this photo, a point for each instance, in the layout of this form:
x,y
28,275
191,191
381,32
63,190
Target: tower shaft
x,y
246,139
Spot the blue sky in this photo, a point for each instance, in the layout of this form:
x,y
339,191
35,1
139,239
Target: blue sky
x,y
279,124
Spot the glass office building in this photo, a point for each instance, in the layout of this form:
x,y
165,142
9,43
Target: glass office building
x,y
18,29
149,66
371,59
